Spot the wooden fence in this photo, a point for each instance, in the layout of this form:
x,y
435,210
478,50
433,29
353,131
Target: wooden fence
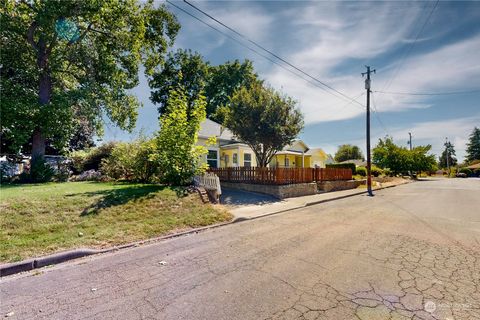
x,y
258,175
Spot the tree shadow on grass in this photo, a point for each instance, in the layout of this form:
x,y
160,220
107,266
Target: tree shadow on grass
x,y
116,197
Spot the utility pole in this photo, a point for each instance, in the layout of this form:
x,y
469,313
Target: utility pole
x,y
369,160
410,140
446,152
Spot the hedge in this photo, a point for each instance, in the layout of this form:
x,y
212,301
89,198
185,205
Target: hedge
x,y
350,166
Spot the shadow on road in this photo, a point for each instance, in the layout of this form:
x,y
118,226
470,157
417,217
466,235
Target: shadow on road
x,y
241,198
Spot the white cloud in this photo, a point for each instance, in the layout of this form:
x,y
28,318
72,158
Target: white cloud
x,y
434,133
341,34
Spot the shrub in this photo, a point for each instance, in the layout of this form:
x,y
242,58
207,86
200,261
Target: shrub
x,y
132,161
476,173
350,166
89,175
63,172
467,171
39,171
376,171
388,172
362,171
7,171
91,159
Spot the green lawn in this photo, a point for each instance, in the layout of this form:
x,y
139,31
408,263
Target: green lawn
x,y
41,219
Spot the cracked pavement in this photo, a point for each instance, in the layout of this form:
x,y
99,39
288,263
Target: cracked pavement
x,y
410,252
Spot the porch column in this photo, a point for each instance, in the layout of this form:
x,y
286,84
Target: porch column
x,y
238,156
303,159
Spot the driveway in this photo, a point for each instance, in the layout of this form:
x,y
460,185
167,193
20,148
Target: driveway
x,y
410,252
235,198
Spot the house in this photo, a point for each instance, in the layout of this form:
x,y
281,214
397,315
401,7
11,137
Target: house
x,y
319,158
357,162
292,156
229,151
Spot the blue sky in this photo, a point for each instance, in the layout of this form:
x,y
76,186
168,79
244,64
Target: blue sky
x,y
333,41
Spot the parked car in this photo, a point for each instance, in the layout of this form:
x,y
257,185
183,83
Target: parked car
x,y
461,175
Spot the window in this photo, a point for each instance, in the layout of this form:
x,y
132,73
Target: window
x,y
287,162
212,158
235,159
247,160
226,160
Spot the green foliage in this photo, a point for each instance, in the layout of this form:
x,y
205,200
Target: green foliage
x,y
189,70
387,172
376,171
450,150
362,171
77,57
176,151
223,81
467,171
400,160
348,152
182,68
473,145
90,159
132,161
264,119
350,166
40,171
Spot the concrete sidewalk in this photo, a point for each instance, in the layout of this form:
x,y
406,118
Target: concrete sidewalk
x,y
261,210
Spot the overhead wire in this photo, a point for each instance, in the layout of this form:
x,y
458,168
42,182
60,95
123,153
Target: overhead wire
x,y
430,93
252,49
377,116
409,48
273,54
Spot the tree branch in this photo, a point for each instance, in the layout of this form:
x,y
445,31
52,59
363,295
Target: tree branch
x,y
31,31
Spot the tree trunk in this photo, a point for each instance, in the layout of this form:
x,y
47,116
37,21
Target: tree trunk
x,y
44,95
38,144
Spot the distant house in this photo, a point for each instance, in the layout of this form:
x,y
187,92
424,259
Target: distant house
x,y
229,151
319,158
358,162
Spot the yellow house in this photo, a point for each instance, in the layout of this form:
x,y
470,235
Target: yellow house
x,y
292,156
319,158
230,152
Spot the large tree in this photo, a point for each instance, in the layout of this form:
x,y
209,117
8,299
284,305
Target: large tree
x,y
60,55
264,119
348,152
182,68
198,78
224,79
450,151
473,146
401,160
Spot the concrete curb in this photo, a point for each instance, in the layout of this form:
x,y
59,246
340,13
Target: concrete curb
x,y
307,204
31,264
56,258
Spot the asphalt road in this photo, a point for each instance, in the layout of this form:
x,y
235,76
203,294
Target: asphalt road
x,y
410,252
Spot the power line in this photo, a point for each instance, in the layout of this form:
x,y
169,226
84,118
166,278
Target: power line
x,y
430,93
409,49
375,112
255,51
270,52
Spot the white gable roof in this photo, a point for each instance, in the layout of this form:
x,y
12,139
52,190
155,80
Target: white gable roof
x,y
209,128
